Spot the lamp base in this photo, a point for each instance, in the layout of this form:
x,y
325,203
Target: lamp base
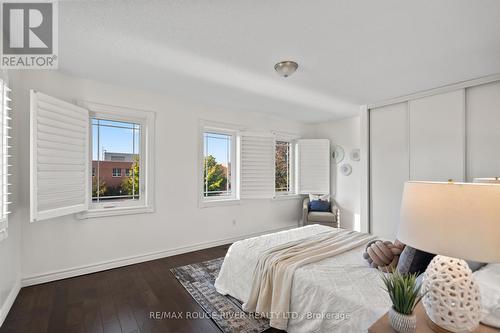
x,y
451,297
436,328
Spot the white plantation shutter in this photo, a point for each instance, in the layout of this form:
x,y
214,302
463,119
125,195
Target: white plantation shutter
x,y
314,166
4,158
257,165
59,157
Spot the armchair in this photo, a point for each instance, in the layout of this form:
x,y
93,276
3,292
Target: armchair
x,y
331,218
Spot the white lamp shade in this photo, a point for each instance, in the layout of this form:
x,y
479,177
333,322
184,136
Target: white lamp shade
x,y
460,220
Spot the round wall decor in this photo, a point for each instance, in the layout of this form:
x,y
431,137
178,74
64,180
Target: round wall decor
x,y
337,153
355,155
346,169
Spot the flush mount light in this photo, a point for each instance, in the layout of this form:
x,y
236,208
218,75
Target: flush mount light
x,y
286,68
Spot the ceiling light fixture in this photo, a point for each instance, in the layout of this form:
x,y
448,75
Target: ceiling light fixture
x,y
286,68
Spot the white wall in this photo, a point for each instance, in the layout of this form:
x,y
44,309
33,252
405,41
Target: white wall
x,y
345,189
65,243
10,248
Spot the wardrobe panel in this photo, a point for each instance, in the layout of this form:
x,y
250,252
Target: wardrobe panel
x,y
389,167
437,137
483,131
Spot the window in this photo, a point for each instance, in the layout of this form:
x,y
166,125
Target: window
x,y
218,165
116,145
283,167
121,139
117,172
4,158
74,151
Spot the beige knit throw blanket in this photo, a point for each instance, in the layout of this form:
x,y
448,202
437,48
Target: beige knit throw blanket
x,y
272,279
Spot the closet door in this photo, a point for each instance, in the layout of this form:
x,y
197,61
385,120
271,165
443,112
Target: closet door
x,y
437,137
388,166
483,131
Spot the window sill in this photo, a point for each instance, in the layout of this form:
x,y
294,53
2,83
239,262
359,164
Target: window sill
x,y
280,197
216,203
104,212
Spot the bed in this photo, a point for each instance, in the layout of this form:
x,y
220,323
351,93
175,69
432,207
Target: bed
x,y
337,294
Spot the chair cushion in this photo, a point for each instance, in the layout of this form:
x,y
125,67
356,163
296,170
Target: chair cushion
x,y
321,217
319,206
323,197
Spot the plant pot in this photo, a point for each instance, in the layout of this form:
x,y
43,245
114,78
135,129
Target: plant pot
x,y
402,323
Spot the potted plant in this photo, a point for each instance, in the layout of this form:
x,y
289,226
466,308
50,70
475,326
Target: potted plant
x,y
404,294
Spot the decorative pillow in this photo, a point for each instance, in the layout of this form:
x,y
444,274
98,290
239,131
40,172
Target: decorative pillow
x,y
383,255
319,206
487,279
413,261
475,265
420,280
322,197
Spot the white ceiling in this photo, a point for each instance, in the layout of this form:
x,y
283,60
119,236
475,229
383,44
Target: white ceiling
x,y
222,52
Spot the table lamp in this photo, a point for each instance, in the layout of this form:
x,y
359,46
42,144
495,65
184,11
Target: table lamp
x,y
458,222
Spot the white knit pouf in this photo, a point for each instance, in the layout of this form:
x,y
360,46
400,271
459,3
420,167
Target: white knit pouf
x,y
452,299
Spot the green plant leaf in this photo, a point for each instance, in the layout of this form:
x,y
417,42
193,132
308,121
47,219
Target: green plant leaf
x,y
403,291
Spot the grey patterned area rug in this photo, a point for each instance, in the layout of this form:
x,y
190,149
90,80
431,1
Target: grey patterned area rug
x,y
225,311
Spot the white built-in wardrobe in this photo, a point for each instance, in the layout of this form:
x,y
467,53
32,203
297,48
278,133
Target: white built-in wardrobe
x,y
436,136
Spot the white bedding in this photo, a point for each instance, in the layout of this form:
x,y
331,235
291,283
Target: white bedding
x,y
339,294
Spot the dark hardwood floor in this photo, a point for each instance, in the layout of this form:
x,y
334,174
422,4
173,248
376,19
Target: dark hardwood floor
x,y
116,300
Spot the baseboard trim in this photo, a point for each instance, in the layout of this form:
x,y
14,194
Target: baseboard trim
x,y
115,263
7,305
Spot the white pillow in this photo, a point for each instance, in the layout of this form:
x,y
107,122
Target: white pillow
x,y
488,279
322,197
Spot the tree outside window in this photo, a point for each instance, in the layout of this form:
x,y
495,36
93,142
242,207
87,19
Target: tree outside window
x,y
282,165
217,164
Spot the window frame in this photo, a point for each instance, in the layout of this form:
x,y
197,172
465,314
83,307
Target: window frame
x,y
234,159
146,120
119,173
292,193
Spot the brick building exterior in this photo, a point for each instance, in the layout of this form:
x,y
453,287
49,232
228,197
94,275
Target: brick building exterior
x,y
114,169
106,171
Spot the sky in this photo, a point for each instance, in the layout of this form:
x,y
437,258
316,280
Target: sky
x,y
113,136
218,146
118,137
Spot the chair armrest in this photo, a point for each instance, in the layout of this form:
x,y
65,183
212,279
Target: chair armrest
x,y
305,204
336,211
305,210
